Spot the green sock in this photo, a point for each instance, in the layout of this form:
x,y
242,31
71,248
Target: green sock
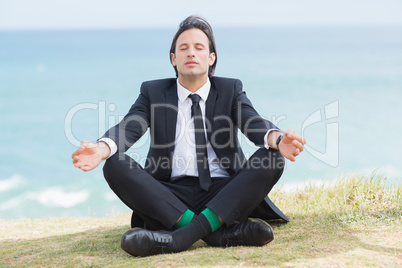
x,y
212,218
185,218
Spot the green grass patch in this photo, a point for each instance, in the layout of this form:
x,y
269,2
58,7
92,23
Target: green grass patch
x,y
353,222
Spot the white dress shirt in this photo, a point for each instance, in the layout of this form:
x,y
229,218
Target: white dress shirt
x,y
184,162
184,156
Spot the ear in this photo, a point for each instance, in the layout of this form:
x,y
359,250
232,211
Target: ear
x,y
173,59
212,58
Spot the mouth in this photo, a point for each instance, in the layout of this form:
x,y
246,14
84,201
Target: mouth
x,y
191,63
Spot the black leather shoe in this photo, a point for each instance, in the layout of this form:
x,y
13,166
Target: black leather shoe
x,y
142,242
252,232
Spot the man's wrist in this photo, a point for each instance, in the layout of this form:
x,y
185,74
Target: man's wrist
x,y
278,140
105,149
273,138
111,144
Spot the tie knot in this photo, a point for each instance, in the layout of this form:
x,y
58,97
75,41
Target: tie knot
x,y
195,98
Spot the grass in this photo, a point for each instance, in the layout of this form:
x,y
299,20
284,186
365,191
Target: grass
x,y
354,222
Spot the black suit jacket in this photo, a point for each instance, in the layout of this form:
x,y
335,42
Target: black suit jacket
x,y
227,110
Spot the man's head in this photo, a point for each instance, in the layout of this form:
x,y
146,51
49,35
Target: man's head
x,y
194,28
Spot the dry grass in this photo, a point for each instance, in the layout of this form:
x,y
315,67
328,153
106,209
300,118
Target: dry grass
x,y
355,222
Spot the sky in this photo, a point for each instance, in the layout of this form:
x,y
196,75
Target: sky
x,y
108,14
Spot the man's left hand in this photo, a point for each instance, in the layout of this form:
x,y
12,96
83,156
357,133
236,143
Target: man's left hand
x,y
291,145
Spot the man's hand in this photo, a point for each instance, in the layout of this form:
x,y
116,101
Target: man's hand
x,y
291,145
89,155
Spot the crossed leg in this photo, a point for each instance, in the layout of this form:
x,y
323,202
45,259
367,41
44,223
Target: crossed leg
x,y
156,202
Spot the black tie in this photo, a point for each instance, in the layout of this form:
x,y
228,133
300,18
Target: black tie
x,y
200,143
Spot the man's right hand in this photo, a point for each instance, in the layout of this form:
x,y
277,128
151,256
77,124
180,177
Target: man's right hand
x,y
90,155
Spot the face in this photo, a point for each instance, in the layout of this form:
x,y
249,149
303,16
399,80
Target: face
x,y
192,57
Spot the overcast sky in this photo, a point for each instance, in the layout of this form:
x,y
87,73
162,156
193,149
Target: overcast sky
x,y
72,14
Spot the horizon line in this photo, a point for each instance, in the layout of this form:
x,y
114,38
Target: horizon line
x,y
295,26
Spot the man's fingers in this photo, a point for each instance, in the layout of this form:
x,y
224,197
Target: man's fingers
x,y
83,156
86,168
77,152
289,133
82,166
78,164
291,158
88,145
298,145
299,138
83,145
83,142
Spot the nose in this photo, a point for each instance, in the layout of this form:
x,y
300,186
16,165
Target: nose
x,y
190,53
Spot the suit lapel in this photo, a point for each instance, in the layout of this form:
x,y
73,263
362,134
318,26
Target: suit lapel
x,y
210,107
171,116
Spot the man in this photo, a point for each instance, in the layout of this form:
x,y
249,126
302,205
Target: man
x,y
196,183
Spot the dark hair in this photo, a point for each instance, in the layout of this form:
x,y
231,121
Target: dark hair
x,y
196,22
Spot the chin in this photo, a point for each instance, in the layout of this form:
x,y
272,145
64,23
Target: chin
x,y
193,74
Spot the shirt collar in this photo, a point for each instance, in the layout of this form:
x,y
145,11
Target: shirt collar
x,y
203,91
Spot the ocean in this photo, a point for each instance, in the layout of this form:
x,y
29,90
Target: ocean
x,y
339,87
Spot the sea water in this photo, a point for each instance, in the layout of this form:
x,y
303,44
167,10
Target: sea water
x,y
339,87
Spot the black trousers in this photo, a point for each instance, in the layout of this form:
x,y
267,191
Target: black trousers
x,y
160,204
